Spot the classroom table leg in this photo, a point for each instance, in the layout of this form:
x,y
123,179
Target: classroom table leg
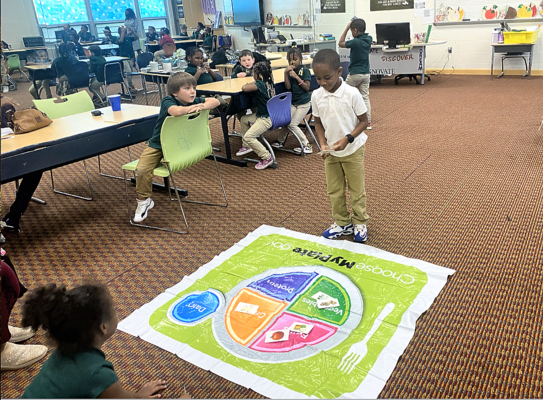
x,y
228,159
492,63
531,59
423,65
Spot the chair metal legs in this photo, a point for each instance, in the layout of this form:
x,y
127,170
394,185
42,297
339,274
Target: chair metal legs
x,y
178,198
302,153
270,148
312,134
74,195
114,176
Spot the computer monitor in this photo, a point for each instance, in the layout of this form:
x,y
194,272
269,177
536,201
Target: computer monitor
x,y
393,34
34,41
258,34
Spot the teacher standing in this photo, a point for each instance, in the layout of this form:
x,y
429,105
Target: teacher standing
x,y
132,25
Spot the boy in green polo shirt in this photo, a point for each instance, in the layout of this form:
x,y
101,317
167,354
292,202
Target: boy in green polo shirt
x,y
181,100
359,68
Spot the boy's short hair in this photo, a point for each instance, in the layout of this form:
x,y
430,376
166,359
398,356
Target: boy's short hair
x,y
328,57
106,28
96,50
183,26
178,80
245,53
359,24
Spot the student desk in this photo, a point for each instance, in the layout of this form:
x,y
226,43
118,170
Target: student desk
x,y
39,72
239,101
103,47
23,52
74,138
501,48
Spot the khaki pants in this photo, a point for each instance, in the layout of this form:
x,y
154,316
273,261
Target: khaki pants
x,y
251,133
149,160
127,69
362,83
298,113
96,87
352,168
45,84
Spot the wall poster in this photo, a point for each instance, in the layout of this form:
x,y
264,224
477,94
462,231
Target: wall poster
x,y
332,6
387,5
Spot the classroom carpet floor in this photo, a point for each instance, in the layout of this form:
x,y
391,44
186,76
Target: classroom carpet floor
x,y
454,176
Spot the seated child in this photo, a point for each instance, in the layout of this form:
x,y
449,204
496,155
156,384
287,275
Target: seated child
x,y
181,100
96,66
78,321
184,31
85,35
62,64
297,81
165,36
263,89
74,38
45,84
109,38
151,35
245,66
201,72
199,32
207,38
127,50
160,54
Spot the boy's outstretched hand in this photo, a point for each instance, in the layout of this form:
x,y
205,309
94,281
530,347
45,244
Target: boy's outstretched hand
x,y
149,389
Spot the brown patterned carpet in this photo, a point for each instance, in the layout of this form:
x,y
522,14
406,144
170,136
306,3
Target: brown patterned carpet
x,y
454,176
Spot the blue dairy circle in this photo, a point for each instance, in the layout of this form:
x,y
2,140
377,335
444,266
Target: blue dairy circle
x,y
195,307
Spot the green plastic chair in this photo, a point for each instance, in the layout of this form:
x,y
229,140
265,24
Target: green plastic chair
x,y
185,141
73,104
14,64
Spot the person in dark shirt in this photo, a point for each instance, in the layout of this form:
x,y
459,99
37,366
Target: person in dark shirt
x,y
67,32
181,100
62,64
127,50
151,35
79,321
109,38
297,81
96,66
184,31
245,66
201,72
85,35
74,39
263,88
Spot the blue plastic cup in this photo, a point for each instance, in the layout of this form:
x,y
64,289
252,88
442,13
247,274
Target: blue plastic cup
x,y
115,101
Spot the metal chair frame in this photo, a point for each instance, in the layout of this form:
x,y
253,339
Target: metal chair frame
x,y
205,115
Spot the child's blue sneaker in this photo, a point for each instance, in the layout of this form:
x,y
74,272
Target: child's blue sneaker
x,y
336,231
360,233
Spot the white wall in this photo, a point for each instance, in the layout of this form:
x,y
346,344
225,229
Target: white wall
x,y
470,43
18,21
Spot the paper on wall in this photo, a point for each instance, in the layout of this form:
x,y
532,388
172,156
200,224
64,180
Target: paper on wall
x,y
429,16
419,7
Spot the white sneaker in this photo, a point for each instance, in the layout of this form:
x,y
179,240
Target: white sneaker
x,y
143,207
308,149
369,127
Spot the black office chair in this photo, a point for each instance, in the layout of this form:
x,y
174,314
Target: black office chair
x,y
397,78
113,73
143,61
78,75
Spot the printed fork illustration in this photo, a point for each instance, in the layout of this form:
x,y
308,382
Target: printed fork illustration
x,y
358,351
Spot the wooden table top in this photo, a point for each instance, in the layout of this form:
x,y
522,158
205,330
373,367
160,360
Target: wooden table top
x,y
283,63
25,49
103,46
237,83
77,124
45,66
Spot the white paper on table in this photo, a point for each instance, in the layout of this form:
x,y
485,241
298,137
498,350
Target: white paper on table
x,y
429,16
419,6
6,131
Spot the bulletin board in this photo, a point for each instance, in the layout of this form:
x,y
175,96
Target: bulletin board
x,y
473,9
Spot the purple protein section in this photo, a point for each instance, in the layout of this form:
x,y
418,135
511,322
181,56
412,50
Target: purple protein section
x,y
284,286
